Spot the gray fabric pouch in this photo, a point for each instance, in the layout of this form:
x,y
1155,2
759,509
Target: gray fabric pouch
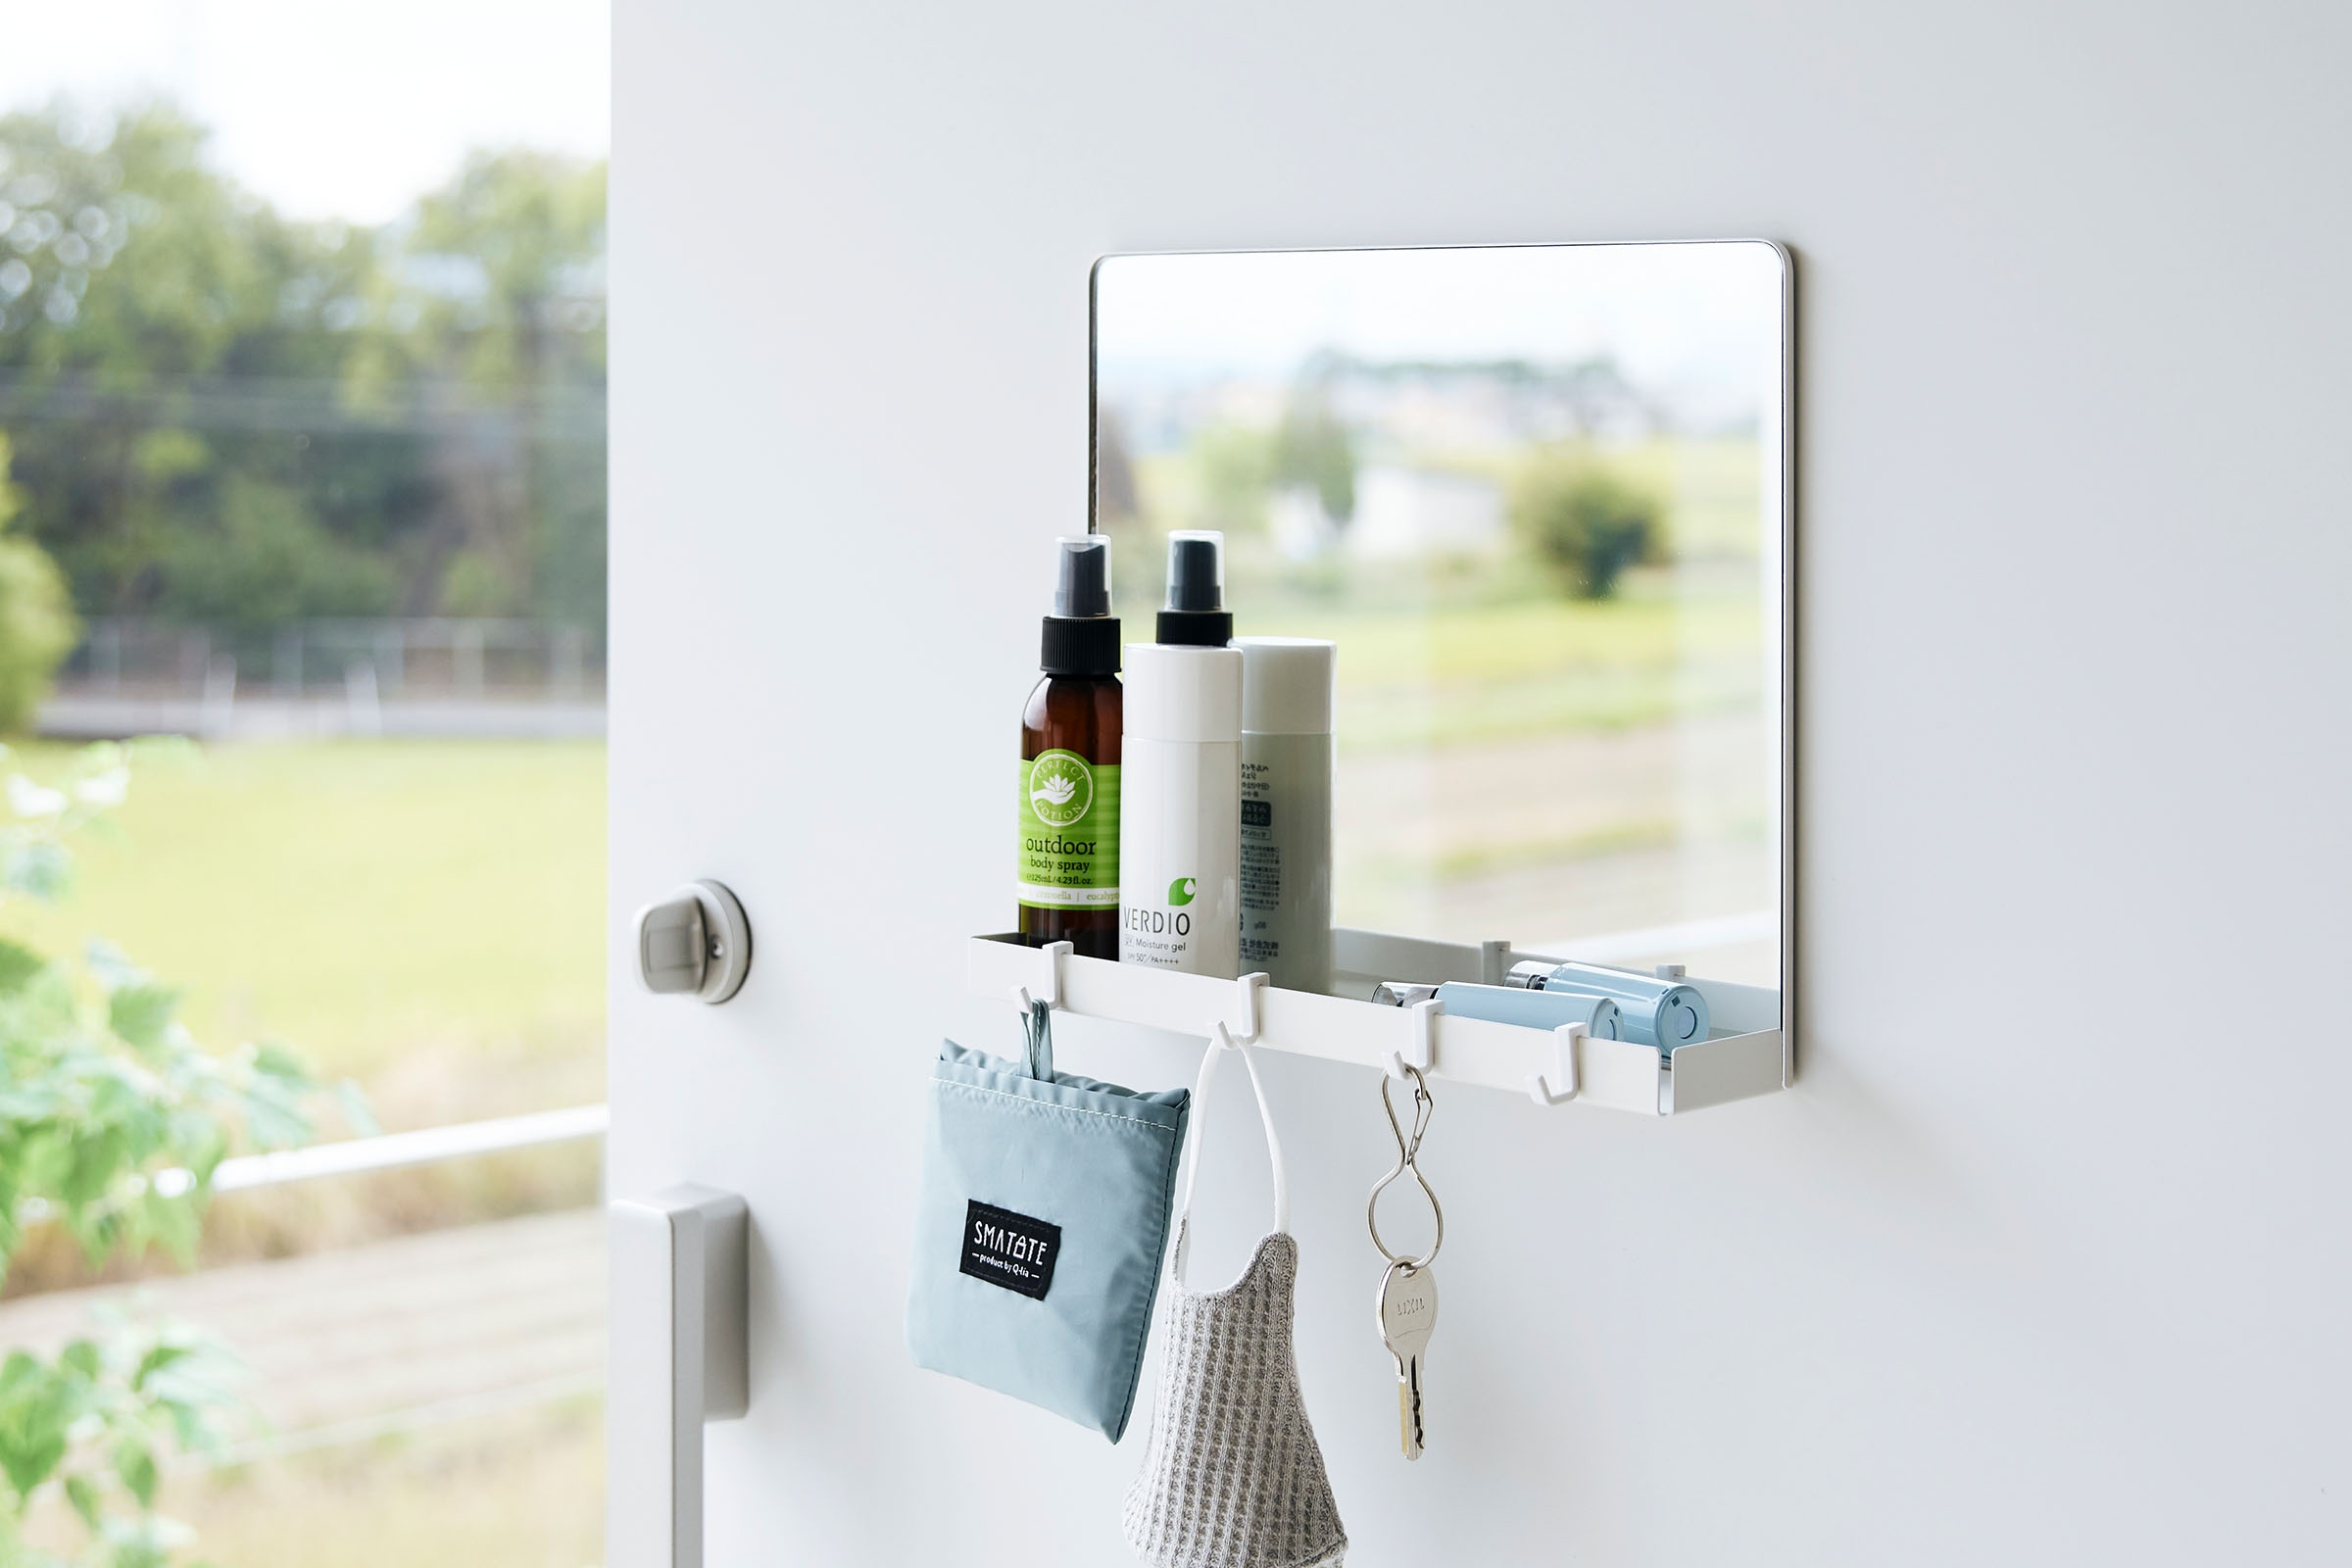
x,y
1039,1229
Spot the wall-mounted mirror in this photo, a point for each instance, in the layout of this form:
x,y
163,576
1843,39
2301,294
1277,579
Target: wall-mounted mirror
x,y
1539,496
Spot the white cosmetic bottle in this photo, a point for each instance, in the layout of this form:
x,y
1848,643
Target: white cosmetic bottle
x,y
1180,767
1285,808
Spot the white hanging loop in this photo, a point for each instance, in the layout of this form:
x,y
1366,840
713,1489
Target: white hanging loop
x,y
1037,1035
1217,1046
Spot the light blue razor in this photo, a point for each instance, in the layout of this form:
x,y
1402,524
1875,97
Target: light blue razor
x,y
1665,1014
1548,1008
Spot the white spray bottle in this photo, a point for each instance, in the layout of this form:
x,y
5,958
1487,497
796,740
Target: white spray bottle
x,y
1180,816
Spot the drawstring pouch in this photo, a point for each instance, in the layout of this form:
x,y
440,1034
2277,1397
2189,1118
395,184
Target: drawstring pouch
x,y
1039,1229
1232,1475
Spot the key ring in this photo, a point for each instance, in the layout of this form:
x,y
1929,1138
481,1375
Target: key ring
x,y
1408,1152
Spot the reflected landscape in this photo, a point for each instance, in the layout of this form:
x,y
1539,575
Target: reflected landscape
x,y
1535,495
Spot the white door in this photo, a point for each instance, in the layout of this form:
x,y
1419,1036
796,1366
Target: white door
x,y
1948,1299
833,548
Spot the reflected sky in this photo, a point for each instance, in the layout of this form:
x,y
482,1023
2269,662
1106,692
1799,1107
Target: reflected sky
x,y
328,108
1698,325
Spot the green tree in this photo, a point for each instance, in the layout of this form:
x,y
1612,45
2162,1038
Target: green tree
x,y
222,416
1584,520
37,626
267,562
499,305
1312,448
168,350
1232,465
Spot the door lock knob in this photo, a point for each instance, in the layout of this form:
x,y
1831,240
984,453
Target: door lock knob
x,y
697,940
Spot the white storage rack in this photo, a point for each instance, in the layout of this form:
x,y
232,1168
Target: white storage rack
x,y
1745,1055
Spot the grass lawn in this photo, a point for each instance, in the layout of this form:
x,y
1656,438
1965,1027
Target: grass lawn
x,y
427,917
1457,674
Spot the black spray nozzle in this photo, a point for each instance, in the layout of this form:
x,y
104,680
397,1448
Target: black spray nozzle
x,y
1196,613
1081,587
1196,571
1081,637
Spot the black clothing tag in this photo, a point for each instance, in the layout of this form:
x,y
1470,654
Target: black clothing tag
x,y
1010,1250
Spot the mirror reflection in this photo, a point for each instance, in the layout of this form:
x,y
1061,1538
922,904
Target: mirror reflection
x,y
1535,495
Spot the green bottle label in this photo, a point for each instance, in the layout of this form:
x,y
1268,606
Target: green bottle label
x,y
1069,833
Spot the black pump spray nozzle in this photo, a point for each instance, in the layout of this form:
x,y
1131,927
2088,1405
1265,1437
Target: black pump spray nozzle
x,y
1083,587
1081,637
1196,612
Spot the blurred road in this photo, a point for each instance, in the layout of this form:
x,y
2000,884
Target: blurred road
x,y
341,1346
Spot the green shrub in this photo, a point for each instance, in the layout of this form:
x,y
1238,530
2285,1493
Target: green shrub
x,y
1312,448
112,1119
1584,520
38,625
263,560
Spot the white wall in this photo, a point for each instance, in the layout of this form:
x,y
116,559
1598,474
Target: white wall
x,y
2045,1257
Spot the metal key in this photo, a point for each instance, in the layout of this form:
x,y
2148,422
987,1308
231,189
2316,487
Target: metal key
x,y
1409,1310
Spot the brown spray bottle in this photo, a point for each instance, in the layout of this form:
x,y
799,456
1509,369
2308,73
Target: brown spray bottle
x,y
1069,864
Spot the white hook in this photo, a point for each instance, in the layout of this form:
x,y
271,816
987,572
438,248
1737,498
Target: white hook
x,y
1055,953
1423,1052
1048,964
1244,1026
1540,1087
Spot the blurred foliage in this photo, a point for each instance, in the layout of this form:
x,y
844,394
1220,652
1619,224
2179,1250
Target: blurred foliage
x,y
1116,498
265,562
224,415
113,1120
1584,519
92,1424
37,626
1313,450
1235,464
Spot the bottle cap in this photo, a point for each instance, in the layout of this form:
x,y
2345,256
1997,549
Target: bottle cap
x,y
1083,586
1081,636
1196,615
1287,684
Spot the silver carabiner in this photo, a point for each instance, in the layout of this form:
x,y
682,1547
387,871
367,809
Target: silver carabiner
x,y
1408,1153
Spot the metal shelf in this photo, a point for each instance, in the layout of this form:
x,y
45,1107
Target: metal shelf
x,y
1746,1057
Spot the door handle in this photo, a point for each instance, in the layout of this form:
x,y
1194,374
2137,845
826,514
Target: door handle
x,y
697,941
679,1358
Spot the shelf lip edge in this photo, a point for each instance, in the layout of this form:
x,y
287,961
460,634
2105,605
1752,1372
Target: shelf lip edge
x,y
1619,1075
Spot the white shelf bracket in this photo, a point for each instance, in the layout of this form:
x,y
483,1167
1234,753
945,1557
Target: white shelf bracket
x,y
1558,1087
1242,1026
1045,979
1422,1052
